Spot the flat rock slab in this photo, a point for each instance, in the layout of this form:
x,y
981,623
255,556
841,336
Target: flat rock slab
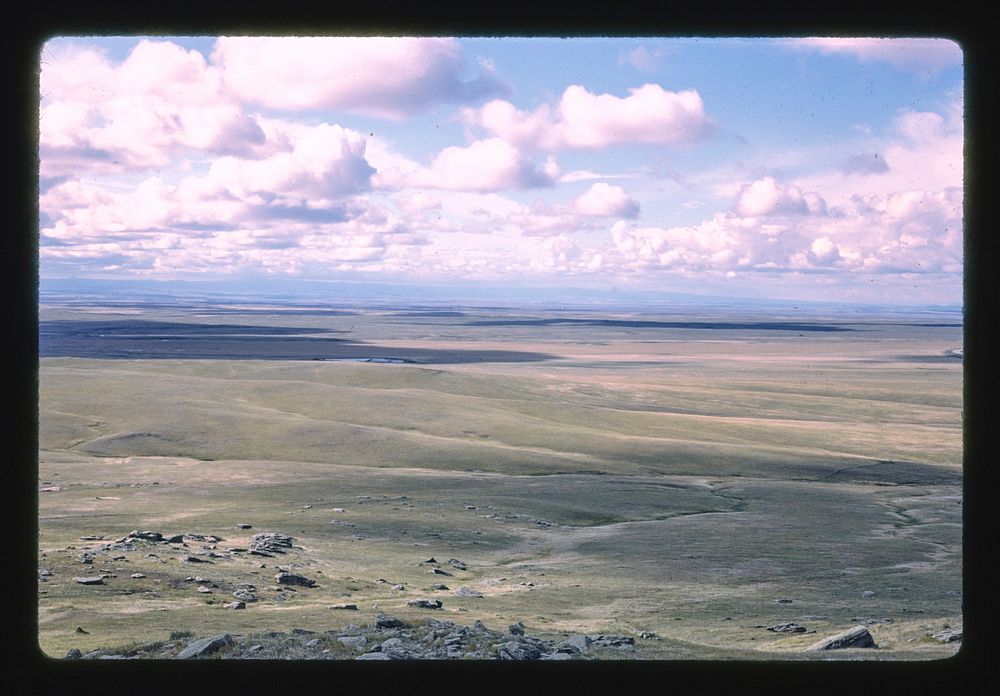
x,y
373,656
205,646
787,628
425,603
91,580
948,636
578,643
857,637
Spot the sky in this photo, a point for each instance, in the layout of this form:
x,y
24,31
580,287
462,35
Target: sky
x,y
801,168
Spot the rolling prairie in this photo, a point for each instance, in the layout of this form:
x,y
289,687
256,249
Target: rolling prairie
x,y
691,477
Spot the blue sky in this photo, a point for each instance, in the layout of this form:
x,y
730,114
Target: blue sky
x,y
782,168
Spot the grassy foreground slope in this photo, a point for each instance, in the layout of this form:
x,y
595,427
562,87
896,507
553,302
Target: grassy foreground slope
x,y
699,485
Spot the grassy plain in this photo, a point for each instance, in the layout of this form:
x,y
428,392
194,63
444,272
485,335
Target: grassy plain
x,y
697,477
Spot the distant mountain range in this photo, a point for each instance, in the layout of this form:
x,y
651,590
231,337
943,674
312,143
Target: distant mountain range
x,y
285,291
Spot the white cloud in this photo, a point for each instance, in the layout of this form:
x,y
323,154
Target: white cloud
x,y
324,161
140,113
485,165
583,120
764,197
605,200
377,76
913,231
925,56
642,58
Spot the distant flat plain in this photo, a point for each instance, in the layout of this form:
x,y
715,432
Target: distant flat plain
x,y
696,475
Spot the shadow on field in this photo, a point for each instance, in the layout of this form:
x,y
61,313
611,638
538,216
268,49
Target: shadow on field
x,y
182,341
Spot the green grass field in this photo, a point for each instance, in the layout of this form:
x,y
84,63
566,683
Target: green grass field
x,y
679,482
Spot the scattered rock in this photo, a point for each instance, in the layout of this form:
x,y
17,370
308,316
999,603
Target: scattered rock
x,y
348,607
425,603
314,643
373,656
603,641
867,593
294,579
466,592
235,605
175,539
787,628
92,537
91,580
355,642
148,536
80,629
51,489
205,646
438,571
646,635
577,643
516,629
74,654
204,590
270,542
517,650
194,559
439,586
557,656
857,637
245,595
455,563
243,525
783,601
302,632
949,635
386,621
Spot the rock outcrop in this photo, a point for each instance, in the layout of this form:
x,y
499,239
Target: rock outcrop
x,y
857,637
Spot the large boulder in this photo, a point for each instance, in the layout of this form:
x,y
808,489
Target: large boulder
x,y
205,646
857,637
294,579
386,621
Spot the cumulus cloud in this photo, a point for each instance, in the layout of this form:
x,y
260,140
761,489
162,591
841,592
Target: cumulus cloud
x,y
766,197
323,161
583,120
486,165
605,200
911,231
140,113
376,76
